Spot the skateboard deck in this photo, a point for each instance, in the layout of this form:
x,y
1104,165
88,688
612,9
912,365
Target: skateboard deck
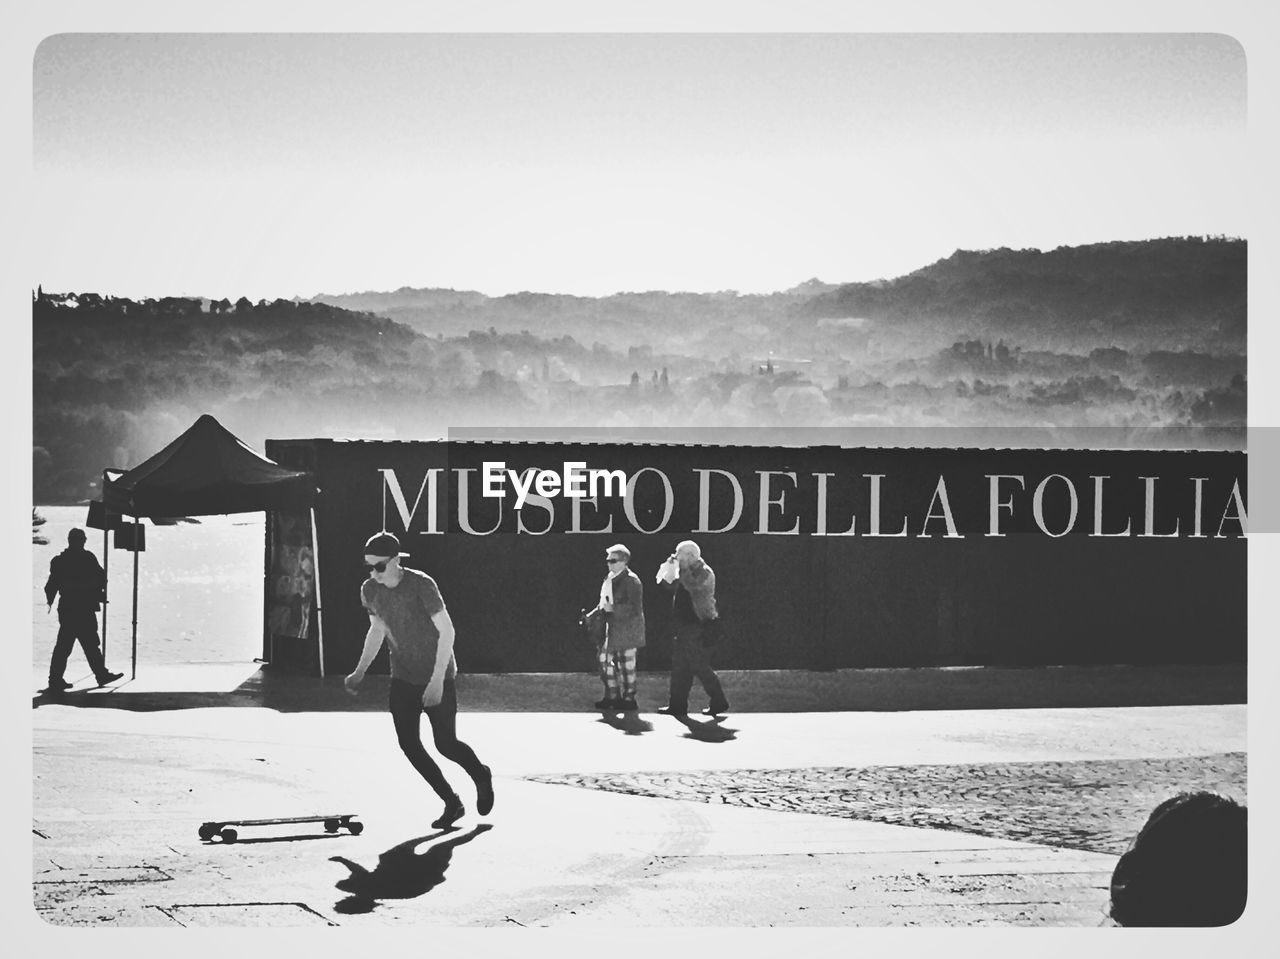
x,y
332,823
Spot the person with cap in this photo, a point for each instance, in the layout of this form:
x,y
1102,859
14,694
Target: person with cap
x,y
692,584
622,602
76,576
407,612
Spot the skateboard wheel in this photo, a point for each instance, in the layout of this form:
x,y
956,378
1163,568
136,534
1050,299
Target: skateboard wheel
x,y
331,825
229,835
356,828
208,831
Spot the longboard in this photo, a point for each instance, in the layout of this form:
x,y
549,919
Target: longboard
x,y
332,823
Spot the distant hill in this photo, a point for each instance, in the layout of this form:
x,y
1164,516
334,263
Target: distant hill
x,y
1176,293
696,323
1173,293
1136,334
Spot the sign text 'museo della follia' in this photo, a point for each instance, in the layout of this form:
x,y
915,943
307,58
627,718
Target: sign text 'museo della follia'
x,y
579,499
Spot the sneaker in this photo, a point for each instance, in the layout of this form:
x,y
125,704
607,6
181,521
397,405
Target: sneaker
x,y
628,706
606,703
672,711
453,811
484,793
716,710
58,685
109,678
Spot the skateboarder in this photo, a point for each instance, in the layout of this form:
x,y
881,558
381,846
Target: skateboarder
x,y
76,576
406,609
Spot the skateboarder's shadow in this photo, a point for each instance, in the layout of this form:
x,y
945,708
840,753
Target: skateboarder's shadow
x,y
401,873
628,722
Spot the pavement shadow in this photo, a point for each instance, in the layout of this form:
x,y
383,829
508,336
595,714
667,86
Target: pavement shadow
x,y
775,691
402,872
628,722
711,731
261,690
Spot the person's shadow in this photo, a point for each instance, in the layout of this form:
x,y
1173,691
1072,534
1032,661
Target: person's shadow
x,y
628,722
711,731
401,872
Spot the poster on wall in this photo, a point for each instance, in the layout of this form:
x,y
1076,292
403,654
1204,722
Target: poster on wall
x,y
291,596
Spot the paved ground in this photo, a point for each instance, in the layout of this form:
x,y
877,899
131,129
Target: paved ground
x,y
934,817
1092,805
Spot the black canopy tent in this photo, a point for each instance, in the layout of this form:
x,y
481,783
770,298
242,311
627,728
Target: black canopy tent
x,y
207,471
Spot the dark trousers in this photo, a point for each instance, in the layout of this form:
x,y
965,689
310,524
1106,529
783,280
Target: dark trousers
x,y
406,714
72,626
689,658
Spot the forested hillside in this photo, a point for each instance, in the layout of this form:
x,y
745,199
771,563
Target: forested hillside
x,y
1139,335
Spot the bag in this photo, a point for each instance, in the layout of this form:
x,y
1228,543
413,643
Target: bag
x,y
713,632
593,624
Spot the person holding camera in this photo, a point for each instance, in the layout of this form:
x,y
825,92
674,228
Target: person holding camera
x,y
692,584
622,603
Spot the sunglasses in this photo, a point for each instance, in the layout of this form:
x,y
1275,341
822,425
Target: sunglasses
x,y
380,567
613,561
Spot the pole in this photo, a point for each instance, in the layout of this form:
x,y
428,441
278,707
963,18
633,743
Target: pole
x,y
106,563
315,583
137,523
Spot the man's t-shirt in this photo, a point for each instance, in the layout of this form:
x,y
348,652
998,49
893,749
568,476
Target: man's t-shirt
x,y
407,610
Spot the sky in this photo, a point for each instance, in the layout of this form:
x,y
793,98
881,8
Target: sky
x,y
281,165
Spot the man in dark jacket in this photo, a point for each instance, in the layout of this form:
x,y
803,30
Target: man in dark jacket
x,y
76,576
693,605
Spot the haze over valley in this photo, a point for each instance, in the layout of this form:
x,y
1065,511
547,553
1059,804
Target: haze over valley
x,y
1143,335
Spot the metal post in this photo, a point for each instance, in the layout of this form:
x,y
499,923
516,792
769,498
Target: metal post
x,y
136,526
106,564
315,585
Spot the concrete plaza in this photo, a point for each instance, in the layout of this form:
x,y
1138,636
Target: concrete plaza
x,y
798,809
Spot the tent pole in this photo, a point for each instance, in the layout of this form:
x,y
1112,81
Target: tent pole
x,y
106,563
315,583
134,669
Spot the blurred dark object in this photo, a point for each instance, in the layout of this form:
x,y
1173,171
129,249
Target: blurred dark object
x,y
1188,866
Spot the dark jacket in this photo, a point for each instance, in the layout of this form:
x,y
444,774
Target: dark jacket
x,y
77,577
694,599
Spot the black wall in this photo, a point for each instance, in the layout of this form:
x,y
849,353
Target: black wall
x,y
811,601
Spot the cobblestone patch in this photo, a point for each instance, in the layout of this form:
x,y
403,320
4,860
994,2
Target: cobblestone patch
x,y
1092,805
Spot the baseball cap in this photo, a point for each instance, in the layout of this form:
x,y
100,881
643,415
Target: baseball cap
x,y
383,544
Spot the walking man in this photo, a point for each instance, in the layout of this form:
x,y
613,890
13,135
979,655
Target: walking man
x,y
622,600
406,609
76,576
693,604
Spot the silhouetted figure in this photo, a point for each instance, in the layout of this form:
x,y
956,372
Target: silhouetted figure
x,y
692,584
406,610
622,602
1188,866
77,578
401,873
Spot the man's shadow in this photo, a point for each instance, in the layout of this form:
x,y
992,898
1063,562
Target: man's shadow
x,y
628,722
712,731
401,872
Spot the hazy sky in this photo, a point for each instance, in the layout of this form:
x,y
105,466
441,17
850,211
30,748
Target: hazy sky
x,y
282,165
